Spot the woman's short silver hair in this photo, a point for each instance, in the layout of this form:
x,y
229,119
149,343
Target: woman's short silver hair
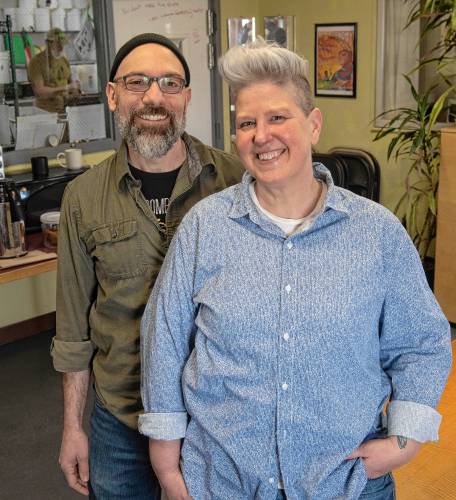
x,y
260,61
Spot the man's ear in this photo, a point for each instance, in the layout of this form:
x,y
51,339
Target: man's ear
x,y
111,95
188,96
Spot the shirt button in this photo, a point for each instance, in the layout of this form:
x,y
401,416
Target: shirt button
x,y
290,245
271,480
286,337
288,288
284,386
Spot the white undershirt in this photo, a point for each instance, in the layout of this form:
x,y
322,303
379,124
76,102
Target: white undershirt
x,y
291,226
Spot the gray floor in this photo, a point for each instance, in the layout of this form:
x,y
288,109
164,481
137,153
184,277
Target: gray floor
x,y
30,423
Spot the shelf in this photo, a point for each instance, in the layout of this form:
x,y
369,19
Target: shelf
x,y
74,63
31,32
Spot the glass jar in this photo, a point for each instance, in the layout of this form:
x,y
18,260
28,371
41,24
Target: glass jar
x,y
50,227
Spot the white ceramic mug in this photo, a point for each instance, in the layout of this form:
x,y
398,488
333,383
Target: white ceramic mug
x,y
71,159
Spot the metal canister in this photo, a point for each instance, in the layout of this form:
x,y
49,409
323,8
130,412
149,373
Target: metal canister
x,y
12,226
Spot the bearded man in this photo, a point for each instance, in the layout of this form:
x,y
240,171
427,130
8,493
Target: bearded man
x,y
117,221
49,73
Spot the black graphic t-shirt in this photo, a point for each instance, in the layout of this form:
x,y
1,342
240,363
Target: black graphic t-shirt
x,y
156,188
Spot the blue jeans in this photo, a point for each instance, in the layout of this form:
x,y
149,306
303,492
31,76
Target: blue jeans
x,y
119,460
381,488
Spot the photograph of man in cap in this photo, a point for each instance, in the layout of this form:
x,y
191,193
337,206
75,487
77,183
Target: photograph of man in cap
x,y
117,221
49,73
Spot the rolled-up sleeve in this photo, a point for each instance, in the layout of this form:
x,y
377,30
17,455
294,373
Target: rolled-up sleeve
x,y
72,349
415,343
167,335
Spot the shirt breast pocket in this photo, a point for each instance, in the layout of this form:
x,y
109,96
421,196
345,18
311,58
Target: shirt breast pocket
x,y
117,251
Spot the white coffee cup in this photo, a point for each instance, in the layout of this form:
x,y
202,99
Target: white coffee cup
x,y
70,159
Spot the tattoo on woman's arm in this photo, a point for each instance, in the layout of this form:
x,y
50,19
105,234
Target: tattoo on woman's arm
x,y
401,442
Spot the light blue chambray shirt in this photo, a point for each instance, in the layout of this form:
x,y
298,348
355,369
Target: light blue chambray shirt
x,y
274,356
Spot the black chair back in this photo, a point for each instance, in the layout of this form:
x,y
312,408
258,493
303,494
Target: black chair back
x,y
336,165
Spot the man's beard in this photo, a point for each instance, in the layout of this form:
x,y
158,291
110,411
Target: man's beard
x,y
154,141
56,54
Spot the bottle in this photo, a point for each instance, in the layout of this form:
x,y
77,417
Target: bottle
x,y
12,225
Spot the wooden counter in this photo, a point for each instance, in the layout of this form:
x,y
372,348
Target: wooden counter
x,y
32,326
33,242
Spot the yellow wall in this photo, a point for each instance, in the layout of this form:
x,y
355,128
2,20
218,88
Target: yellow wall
x,y
347,122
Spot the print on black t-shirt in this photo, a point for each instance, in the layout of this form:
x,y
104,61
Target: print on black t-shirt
x,y
156,188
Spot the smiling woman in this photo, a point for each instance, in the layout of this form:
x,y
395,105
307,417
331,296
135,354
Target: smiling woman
x,y
274,136
277,298
274,139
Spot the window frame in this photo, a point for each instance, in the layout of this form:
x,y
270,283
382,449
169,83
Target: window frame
x,y
380,71
105,49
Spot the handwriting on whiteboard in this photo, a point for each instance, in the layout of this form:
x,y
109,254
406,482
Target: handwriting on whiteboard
x,y
160,9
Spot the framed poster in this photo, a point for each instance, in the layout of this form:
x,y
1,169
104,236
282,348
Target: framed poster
x,y
241,30
280,29
335,60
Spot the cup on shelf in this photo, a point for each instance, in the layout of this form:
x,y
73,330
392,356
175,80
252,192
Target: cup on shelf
x,y
24,19
73,20
42,19
51,4
28,5
81,4
11,11
40,167
66,4
70,159
58,18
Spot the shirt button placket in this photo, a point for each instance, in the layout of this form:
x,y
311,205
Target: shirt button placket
x,y
285,347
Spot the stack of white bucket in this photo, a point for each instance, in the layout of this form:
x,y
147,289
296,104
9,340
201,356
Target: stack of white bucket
x,y
42,15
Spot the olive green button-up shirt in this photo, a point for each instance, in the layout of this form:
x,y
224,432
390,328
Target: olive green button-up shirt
x,y
111,248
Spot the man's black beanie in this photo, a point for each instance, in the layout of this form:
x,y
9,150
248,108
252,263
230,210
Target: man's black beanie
x,y
141,40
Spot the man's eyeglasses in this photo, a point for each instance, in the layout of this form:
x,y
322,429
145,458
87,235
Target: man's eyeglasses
x,y
142,83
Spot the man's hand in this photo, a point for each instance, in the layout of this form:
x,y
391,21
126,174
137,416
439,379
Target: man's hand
x,y
74,460
173,486
74,452
381,456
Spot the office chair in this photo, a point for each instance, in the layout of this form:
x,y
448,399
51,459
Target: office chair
x,y
336,165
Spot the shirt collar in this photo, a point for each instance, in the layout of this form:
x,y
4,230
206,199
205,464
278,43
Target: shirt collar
x,y
197,157
335,198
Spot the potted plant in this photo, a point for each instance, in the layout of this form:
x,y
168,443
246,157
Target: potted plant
x,y
413,130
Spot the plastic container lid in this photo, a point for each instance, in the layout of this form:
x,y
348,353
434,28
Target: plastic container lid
x,y
50,218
